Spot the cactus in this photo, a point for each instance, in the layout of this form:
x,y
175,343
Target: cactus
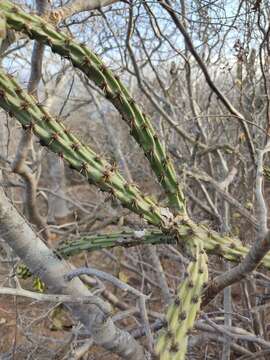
x,y
231,249
106,241
80,157
92,66
172,343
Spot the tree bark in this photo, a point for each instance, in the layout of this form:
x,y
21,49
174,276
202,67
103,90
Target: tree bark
x,y
44,263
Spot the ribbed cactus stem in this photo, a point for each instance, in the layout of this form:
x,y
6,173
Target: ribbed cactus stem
x,y
80,157
181,315
106,241
92,66
231,248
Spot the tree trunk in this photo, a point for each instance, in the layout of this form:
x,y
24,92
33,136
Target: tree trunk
x,y
44,263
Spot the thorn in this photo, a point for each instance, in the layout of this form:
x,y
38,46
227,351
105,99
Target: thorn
x,y
183,316
112,193
75,146
50,43
66,131
54,137
161,178
67,41
149,154
165,162
104,87
152,208
31,127
117,96
46,118
174,347
177,301
144,126
43,26
15,9
24,106
106,175
131,101
86,61
102,67
2,94
134,203
195,299
84,169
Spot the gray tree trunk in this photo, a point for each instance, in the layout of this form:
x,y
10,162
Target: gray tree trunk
x,y
44,263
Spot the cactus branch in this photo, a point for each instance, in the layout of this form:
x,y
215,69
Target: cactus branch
x,y
181,315
231,249
80,157
107,241
92,66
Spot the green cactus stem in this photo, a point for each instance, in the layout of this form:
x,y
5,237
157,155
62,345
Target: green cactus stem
x,y
106,241
80,157
181,314
92,66
226,247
